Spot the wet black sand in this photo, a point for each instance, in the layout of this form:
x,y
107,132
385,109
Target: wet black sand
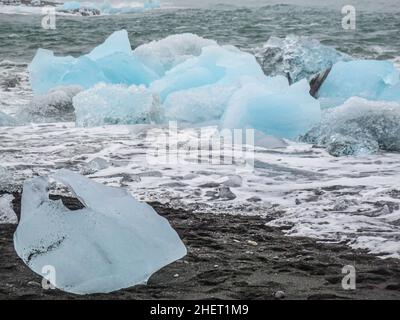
x,y
229,257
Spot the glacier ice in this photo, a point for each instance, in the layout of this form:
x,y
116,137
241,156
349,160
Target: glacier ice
x,y
111,62
274,108
297,57
114,242
54,106
116,104
162,55
358,127
369,79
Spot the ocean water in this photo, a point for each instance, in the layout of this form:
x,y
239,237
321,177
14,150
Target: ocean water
x,y
350,200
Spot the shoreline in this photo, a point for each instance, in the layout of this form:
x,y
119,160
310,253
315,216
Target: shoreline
x,y
229,257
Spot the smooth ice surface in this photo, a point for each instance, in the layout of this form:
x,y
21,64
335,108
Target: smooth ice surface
x,y
114,242
111,62
358,127
162,55
7,214
297,57
369,79
116,104
274,108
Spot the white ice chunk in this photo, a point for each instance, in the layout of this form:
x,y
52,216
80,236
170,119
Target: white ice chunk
x,y
114,242
7,214
369,79
274,108
115,104
163,55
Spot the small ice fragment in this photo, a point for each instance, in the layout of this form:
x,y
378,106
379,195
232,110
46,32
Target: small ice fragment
x,y
114,242
7,214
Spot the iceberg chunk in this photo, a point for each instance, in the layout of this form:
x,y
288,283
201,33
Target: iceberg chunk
x,y
369,79
297,57
114,242
162,55
274,108
111,62
116,104
358,127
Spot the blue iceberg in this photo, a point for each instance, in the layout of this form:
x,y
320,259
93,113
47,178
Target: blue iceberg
x,y
111,62
369,79
274,108
114,242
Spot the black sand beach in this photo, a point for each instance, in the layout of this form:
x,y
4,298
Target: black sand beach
x,y
229,257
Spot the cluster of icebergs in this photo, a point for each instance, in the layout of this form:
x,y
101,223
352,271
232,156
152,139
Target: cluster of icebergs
x,y
192,80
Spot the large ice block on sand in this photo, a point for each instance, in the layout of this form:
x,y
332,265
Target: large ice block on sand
x,y
274,108
358,127
114,242
111,62
116,104
297,57
162,55
369,79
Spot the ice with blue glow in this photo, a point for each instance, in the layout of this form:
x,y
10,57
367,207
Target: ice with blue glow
x,y
184,78
369,79
114,242
273,107
111,62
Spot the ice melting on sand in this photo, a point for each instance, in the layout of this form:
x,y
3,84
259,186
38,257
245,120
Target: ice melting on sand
x,y
111,62
114,242
358,127
369,79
